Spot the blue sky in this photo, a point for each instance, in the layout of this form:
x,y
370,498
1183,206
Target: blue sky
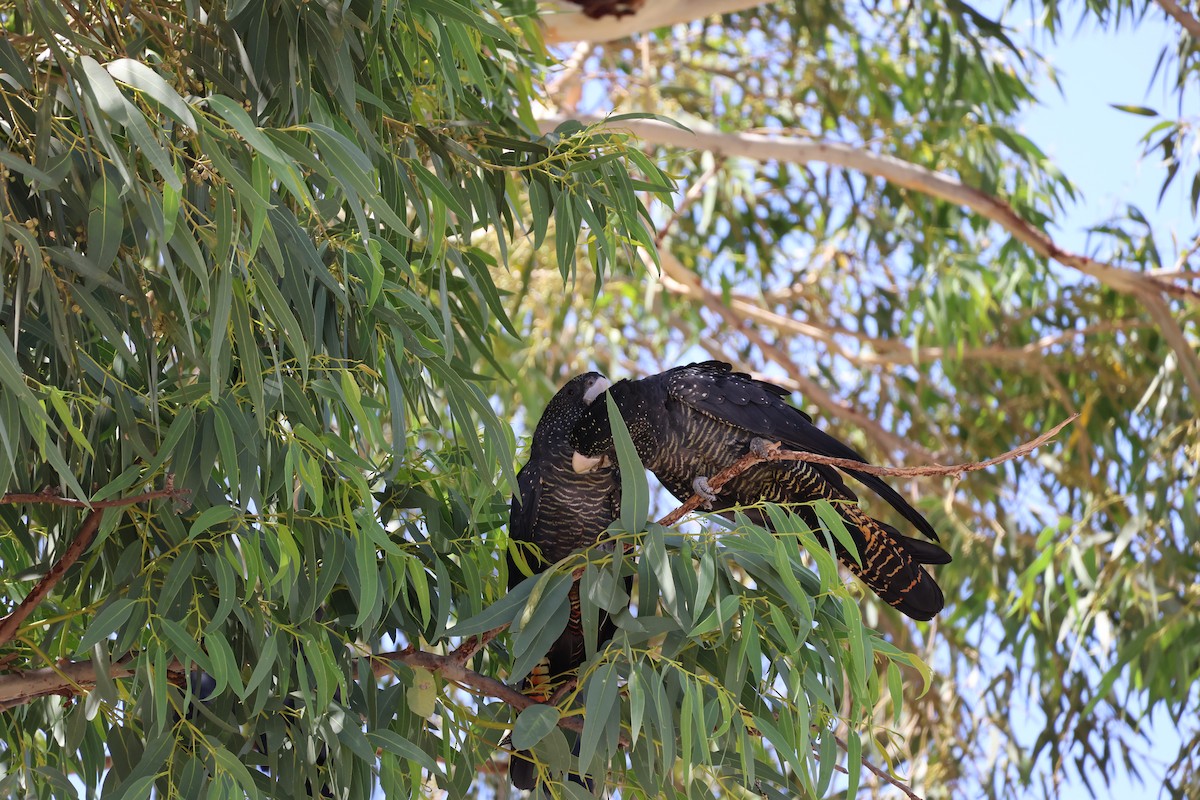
x,y
1097,145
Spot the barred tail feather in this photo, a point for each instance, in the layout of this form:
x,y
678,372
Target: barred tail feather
x,y
892,568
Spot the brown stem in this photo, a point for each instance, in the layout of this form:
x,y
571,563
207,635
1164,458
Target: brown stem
x,y
473,644
880,773
774,453
47,497
451,670
83,537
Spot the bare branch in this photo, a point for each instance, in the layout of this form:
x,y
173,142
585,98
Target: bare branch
x,y
72,677
48,497
883,774
1181,15
573,25
802,150
776,453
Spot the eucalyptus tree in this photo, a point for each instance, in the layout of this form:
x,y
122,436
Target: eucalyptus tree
x,y
285,284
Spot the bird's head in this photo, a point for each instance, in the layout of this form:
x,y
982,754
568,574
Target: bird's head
x,y
566,407
591,437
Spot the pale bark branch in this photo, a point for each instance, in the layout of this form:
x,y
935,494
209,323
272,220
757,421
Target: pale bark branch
x,y
1182,16
572,25
72,677
798,150
1147,288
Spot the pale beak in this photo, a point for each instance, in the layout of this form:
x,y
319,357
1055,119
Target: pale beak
x,y
595,390
583,464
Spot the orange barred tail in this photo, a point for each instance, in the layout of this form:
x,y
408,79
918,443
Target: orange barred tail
x,y
537,685
892,567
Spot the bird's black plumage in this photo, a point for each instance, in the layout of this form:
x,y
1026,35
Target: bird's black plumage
x,y
561,512
693,421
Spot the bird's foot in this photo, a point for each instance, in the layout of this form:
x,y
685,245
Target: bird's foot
x,y
707,495
762,447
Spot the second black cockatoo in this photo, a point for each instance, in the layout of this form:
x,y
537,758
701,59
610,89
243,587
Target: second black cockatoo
x,y
690,422
561,512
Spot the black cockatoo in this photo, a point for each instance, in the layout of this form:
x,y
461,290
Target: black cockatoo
x,y
561,511
690,422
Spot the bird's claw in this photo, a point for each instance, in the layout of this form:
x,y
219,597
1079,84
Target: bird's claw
x,y
701,487
761,447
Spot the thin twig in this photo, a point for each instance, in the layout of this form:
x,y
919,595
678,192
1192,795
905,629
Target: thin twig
x,y
83,537
931,469
475,643
880,773
48,497
451,670
775,453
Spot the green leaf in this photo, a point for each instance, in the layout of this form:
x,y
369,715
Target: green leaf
x,y
13,66
502,612
635,489
227,762
145,79
106,223
853,762
211,517
601,702
185,647
1141,111
110,618
837,526
533,724
542,621
367,561
395,743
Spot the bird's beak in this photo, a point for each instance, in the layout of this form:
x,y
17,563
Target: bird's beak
x,y
583,464
595,390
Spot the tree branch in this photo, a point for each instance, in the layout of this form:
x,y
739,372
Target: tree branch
x,y
776,453
673,269
1181,15
49,497
72,677
573,25
450,669
1147,288
83,537
879,772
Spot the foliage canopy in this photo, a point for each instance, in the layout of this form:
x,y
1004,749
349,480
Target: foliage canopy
x,y
295,270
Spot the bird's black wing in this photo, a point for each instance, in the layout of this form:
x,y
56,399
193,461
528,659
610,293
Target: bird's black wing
x,y
713,388
523,514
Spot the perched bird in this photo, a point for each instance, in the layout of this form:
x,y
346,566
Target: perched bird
x,y
691,422
561,512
